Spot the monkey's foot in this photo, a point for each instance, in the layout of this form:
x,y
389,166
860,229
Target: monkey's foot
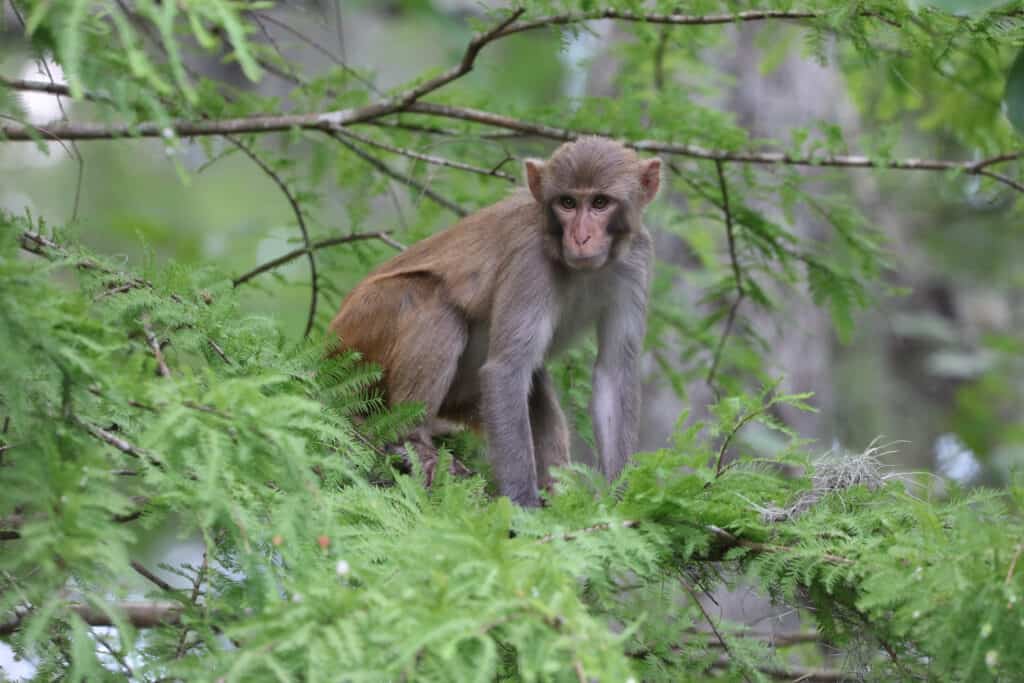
x,y
428,458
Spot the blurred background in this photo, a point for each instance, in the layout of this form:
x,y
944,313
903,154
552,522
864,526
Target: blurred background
x,y
933,365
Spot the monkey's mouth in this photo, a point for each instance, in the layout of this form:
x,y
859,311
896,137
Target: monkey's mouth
x,y
585,262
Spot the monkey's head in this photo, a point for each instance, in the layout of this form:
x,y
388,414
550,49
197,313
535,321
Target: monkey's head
x,y
593,191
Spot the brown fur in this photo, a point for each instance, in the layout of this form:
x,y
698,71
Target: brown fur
x,y
464,320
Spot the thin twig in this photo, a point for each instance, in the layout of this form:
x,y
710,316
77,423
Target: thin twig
x,y
123,445
720,459
429,158
320,244
154,346
758,547
116,654
299,217
151,577
737,276
603,526
340,61
413,127
672,19
400,177
74,146
1013,563
463,67
219,351
196,583
711,623
773,639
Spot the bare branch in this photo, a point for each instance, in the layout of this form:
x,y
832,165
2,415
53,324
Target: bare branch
x,y
321,244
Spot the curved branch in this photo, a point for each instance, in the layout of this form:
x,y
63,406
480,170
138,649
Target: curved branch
x,y
463,67
297,210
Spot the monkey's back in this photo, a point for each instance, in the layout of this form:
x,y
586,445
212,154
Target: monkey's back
x,y
451,275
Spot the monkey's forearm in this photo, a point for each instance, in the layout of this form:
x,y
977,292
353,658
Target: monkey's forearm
x,y
509,436
614,412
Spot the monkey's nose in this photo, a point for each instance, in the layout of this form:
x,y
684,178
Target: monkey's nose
x,y
581,242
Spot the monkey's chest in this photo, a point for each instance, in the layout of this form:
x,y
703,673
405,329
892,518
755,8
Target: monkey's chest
x,y
573,317
577,314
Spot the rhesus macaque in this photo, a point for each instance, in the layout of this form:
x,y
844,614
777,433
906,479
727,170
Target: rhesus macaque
x,y
464,320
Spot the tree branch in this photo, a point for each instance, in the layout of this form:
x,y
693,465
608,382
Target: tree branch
x,y
331,121
140,614
47,88
698,152
672,19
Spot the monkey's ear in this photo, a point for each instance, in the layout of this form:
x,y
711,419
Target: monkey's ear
x,y
650,179
533,168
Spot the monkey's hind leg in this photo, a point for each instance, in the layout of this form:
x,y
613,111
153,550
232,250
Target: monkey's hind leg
x,y
550,431
423,357
429,338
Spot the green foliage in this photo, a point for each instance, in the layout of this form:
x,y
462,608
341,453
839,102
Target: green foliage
x,y
1015,93
314,569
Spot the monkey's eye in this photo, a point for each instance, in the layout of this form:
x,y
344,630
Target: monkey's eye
x,y
567,202
599,202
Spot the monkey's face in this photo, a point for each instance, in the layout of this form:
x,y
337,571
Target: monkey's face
x,y
587,222
592,191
